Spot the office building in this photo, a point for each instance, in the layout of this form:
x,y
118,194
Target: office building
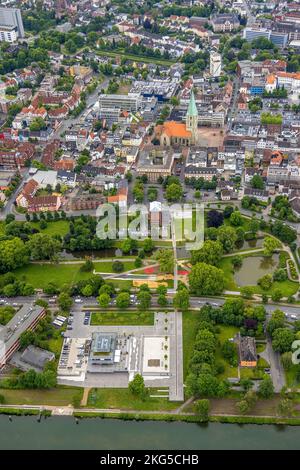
x,y
11,24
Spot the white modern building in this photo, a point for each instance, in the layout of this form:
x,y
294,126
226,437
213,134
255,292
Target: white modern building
x,y
215,64
11,24
8,33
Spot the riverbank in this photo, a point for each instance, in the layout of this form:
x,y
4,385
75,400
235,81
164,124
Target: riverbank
x,y
147,416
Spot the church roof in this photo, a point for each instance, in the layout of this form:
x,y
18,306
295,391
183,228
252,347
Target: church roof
x,y
192,109
176,129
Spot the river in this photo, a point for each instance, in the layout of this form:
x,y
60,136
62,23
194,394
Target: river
x,y
109,434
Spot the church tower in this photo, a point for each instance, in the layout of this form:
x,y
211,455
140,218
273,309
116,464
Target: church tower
x,y
192,118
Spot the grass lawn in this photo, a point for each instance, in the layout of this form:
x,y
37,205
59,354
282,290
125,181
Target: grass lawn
x,y
121,284
60,396
287,288
121,398
260,347
227,267
190,321
290,376
106,267
261,407
251,373
245,224
39,275
55,345
226,332
56,227
122,318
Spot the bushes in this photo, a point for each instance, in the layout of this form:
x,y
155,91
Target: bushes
x,y
292,269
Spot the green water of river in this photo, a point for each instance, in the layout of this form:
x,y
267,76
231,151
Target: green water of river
x,y
108,434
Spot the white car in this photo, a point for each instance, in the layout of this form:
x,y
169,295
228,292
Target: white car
x,y
78,301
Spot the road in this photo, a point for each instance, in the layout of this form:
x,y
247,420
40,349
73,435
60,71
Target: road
x,y
250,17
276,369
195,303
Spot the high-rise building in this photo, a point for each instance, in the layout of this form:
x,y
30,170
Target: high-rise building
x,y
11,24
215,64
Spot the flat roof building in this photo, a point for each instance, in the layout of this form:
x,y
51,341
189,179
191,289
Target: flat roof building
x,y
25,319
11,18
103,349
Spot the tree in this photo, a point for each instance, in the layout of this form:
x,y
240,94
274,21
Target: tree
x,y
162,300
276,295
181,299
148,245
229,352
137,386
246,384
206,280
270,245
87,290
207,385
43,246
144,299
174,192
257,182
65,301
227,237
107,288
128,245
227,212
246,292
103,300
277,321
211,252
123,300
282,339
13,254
265,282
88,266
237,261
37,124
27,338
165,259
117,266
214,218
202,408
284,232
253,225
138,262
266,388
236,219
280,275
243,406
285,407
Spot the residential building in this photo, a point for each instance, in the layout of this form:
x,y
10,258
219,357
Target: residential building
x,y
247,351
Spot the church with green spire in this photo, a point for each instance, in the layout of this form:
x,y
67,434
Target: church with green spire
x,y
192,117
180,133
